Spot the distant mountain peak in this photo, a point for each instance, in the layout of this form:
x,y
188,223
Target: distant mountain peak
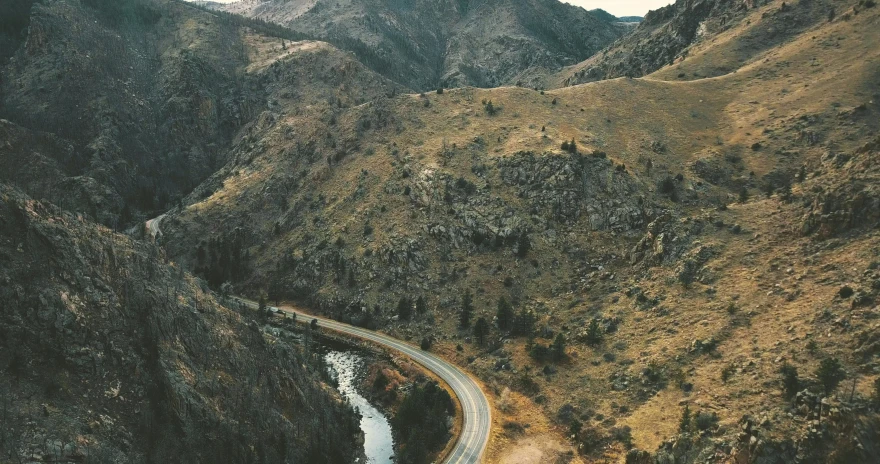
x,y
423,43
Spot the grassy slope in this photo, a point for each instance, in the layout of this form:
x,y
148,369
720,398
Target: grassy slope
x,y
808,84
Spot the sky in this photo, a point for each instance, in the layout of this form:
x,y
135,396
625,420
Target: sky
x,y
615,7
622,7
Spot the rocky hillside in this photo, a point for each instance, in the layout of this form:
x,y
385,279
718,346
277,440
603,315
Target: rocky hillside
x,y
141,96
110,353
670,229
737,32
426,43
116,110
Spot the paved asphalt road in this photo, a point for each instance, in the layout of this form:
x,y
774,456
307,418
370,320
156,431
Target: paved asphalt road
x,y
474,405
153,227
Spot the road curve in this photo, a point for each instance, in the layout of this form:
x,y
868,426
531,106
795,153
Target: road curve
x,y
152,227
475,407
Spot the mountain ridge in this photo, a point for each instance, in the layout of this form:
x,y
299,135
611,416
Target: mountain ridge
x,y
448,43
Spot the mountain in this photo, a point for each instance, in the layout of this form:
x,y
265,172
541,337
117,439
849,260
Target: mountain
x,y
143,97
675,36
134,103
110,353
669,268
698,226
426,43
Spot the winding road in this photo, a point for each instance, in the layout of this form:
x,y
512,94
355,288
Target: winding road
x,y
152,227
475,407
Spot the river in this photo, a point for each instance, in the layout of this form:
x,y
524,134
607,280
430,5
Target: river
x,y
378,443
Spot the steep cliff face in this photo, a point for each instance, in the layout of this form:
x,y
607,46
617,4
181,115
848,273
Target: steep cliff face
x,y
423,44
111,354
146,92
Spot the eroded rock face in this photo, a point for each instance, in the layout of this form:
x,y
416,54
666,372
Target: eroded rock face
x,y
434,238
846,195
661,38
425,43
566,188
109,354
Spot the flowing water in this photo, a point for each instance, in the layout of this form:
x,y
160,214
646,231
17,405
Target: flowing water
x,y
378,444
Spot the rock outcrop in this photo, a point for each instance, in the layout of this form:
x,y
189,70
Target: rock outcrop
x,y
845,193
108,353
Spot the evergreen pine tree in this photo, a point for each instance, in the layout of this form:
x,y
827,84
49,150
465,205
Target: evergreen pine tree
x,y
467,309
504,314
594,332
404,308
830,373
481,330
684,425
558,349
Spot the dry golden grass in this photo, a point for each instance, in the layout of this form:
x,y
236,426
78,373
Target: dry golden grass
x,y
762,102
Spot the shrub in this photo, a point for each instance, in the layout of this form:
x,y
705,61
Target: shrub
x,y
575,427
727,372
623,435
539,352
706,421
790,381
404,308
743,195
380,382
523,245
666,186
491,110
426,344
